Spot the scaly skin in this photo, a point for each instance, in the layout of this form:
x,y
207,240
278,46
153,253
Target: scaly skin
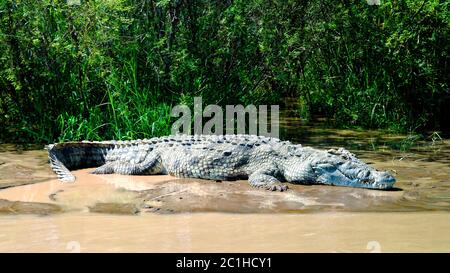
x,y
265,162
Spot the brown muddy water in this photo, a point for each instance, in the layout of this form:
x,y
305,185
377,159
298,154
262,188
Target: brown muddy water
x,y
114,213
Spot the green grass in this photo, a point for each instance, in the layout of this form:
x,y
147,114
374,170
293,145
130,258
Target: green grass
x,y
127,113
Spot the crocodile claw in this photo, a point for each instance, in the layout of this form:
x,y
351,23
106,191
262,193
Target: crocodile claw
x,y
278,187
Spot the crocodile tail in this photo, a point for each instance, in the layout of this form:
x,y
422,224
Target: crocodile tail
x,y
68,156
58,167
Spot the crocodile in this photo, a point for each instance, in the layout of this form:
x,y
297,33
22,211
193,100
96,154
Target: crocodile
x,y
265,161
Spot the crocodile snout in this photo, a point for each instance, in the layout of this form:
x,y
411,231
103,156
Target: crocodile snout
x,y
384,180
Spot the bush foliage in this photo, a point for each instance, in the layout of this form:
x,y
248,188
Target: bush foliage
x,y
113,68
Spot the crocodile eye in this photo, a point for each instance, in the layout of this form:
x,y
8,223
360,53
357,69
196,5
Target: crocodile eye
x,y
365,181
326,167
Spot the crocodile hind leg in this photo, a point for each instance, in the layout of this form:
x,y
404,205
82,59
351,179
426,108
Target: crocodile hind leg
x,y
107,168
266,181
151,165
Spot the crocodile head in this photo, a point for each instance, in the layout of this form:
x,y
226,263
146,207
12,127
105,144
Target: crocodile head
x,y
340,168
352,175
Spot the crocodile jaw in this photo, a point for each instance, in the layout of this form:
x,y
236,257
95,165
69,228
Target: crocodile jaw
x,y
358,177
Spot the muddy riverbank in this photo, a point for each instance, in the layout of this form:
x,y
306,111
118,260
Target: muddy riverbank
x,y
423,185
162,214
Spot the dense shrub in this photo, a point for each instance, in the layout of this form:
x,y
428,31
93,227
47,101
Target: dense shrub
x,y
112,69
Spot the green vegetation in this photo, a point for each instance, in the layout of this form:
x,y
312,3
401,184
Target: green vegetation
x,y
113,68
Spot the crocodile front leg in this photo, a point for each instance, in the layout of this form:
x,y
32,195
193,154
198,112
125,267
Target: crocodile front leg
x,y
266,181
